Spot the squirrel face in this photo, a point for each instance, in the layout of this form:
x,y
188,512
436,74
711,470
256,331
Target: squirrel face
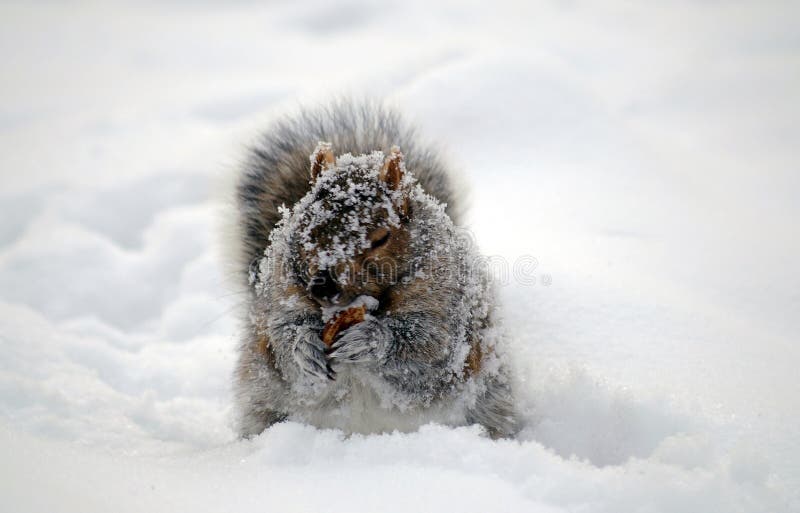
x,y
352,236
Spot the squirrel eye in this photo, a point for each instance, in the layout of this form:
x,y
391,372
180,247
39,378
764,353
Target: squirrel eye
x,y
381,238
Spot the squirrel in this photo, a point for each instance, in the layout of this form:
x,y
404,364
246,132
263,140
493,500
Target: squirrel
x,y
375,226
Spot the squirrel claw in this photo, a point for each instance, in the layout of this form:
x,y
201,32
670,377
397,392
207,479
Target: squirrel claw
x,y
356,344
309,355
315,369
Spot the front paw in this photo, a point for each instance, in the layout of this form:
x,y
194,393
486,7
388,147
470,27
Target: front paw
x,y
309,355
365,341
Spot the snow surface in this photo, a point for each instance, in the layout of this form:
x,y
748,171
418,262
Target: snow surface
x,y
635,166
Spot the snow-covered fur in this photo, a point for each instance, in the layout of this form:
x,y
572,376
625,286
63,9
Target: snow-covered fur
x,y
368,229
275,170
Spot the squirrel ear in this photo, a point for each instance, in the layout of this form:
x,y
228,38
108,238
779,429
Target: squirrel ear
x,y
321,159
393,172
393,169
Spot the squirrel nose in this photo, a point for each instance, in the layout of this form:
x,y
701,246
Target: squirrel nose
x,y
322,287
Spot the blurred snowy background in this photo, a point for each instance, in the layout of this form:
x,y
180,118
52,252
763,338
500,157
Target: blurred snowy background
x,y
645,153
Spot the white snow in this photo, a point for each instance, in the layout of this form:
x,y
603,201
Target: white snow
x,y
634,165
368,302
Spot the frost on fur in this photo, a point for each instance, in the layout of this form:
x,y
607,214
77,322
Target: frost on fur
x,y
427,351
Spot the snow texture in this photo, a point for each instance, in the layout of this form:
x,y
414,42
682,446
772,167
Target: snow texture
x,y
634,182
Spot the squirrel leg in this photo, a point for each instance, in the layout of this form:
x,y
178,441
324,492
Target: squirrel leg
x,y
494,408
299,352
405,350
258,388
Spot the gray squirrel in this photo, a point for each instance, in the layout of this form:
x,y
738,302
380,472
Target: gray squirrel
x,y
341,206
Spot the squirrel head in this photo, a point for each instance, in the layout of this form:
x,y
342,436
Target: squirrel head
x,y
351,237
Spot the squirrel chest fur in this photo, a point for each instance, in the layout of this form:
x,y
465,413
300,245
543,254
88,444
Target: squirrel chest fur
x,y
368,309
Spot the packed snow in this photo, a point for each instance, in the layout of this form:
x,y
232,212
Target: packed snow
x,y
634,183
